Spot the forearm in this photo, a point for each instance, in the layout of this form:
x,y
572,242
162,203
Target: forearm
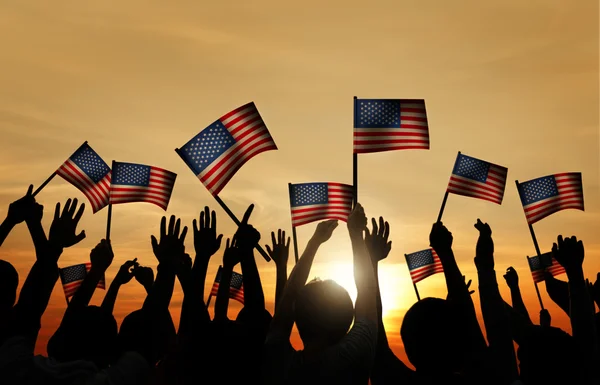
x,y
364,278
5,228
222,301
280,284
162,290
193,308
254,297
110,298
558,291
518,304
84,294
38,236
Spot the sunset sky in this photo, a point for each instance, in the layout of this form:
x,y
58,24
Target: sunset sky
x,y
511,82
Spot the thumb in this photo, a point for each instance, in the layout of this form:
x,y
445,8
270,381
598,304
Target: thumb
x,y
80,237
154,242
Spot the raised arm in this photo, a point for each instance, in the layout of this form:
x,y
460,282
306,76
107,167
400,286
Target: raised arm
x,y
18,212
247,239
495,316
231,257
283,320
124,275
558,291
512,280
101,258
279,254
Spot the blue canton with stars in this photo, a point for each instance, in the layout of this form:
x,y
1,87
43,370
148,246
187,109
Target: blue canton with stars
x,y
207,146
538,189
237,279
471,168
419,259
73,273
377,113
131,174
535,263
309,194
90,163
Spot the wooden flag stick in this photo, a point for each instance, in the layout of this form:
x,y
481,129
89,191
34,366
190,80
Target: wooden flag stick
x,y
414,284
44,184
354,163
294,236
237,222
439,218
208,300
108,221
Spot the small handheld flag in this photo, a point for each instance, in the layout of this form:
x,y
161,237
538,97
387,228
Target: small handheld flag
x,y
236,286
423,264
544,262
544,196
311,202
72,277
140,183
221,149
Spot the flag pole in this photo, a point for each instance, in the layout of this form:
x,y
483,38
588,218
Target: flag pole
x,y
44,184
537,290
354,162
108,221
294,236
237,222
414,284
208,300
445,197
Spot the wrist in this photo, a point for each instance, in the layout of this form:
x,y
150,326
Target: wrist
x,y
575,274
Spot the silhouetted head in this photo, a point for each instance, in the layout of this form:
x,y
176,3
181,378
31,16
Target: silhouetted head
x,y
434,337
538,352
87,334
147,334
9,281
257,322
323,312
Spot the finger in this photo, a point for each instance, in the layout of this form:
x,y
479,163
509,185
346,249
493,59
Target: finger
x,y
287,245
73,208
183,234
195,226
279,239
381,227
219,238
202,227
206,218
213,220
247,214
234,240
269,251
57,211
227,244
374,225
154,242
80,237
273,238
79,213
163,228
177,228
29,191
66,208
386,231
171,225
560,240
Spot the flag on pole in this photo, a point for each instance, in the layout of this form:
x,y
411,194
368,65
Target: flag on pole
x,y
86,170
316,201
140,183
218,151
390,124
236,287
476,178
72,277
537,265
546,195
422,264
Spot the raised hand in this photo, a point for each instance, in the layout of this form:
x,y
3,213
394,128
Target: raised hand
x,y
247,237
377,241
440,238
324,230
102,256
171,242
22,208
206,240
64,226
231,257
281,248
144,275
569,252
468,284
183,268
512,278
357,220
484,253
126,272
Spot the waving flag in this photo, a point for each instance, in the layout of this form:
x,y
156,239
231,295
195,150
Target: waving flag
x,y
72,277
236,286
537,265
478,179
218,151
315,201
86,170
422,264
140,183
546,195
390,124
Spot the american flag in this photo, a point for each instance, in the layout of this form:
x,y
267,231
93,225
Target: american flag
x,y
546,195
390,124
86,170
315,201
72,277
236,287
218,151
423,263
537,265
140,183
476,178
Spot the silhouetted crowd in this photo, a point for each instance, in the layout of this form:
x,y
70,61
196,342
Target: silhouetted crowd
x,y
344,343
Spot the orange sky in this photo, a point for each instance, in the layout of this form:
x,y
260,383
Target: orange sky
x,y
511,82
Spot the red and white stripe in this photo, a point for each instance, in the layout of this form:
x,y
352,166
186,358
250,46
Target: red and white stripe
x,y
251,138
554,269
423,272
157,192
570,196
412,134
72,287
96,193
491,190
339,206
237,294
